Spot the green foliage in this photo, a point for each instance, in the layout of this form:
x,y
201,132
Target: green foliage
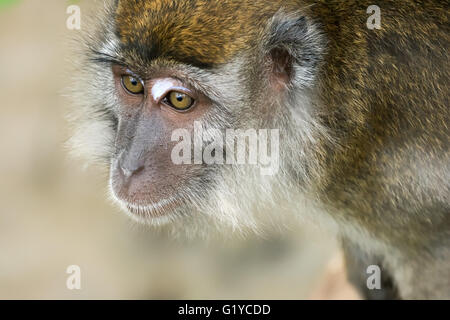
x,y
7,3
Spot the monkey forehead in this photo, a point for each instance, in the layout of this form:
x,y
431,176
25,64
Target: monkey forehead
x,y
197,32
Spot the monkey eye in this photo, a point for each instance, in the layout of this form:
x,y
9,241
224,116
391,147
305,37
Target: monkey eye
x,y
178,100
132,84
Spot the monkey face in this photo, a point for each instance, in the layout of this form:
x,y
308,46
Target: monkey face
x,y
144,178
151,70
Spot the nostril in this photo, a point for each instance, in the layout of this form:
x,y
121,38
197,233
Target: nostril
x,y
128,172
129,167
130,163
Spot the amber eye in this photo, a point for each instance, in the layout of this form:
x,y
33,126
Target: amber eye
x,y
179,100
132,84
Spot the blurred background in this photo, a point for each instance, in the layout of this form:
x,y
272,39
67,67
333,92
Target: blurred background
x,y
54,213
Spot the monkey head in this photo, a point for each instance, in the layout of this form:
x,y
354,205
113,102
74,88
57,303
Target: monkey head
x,y
151,68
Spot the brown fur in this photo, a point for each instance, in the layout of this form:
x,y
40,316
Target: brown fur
x,y
387,98
200,32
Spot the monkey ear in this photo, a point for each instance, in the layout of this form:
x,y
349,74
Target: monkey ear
x,y
294,47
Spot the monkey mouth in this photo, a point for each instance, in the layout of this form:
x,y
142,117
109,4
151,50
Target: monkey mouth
x,y
145,212
143,207
153,210
152,213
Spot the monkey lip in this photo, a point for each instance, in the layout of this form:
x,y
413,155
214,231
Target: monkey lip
x,y
150,211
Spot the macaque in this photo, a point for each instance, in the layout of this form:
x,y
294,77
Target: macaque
x,y
356,120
